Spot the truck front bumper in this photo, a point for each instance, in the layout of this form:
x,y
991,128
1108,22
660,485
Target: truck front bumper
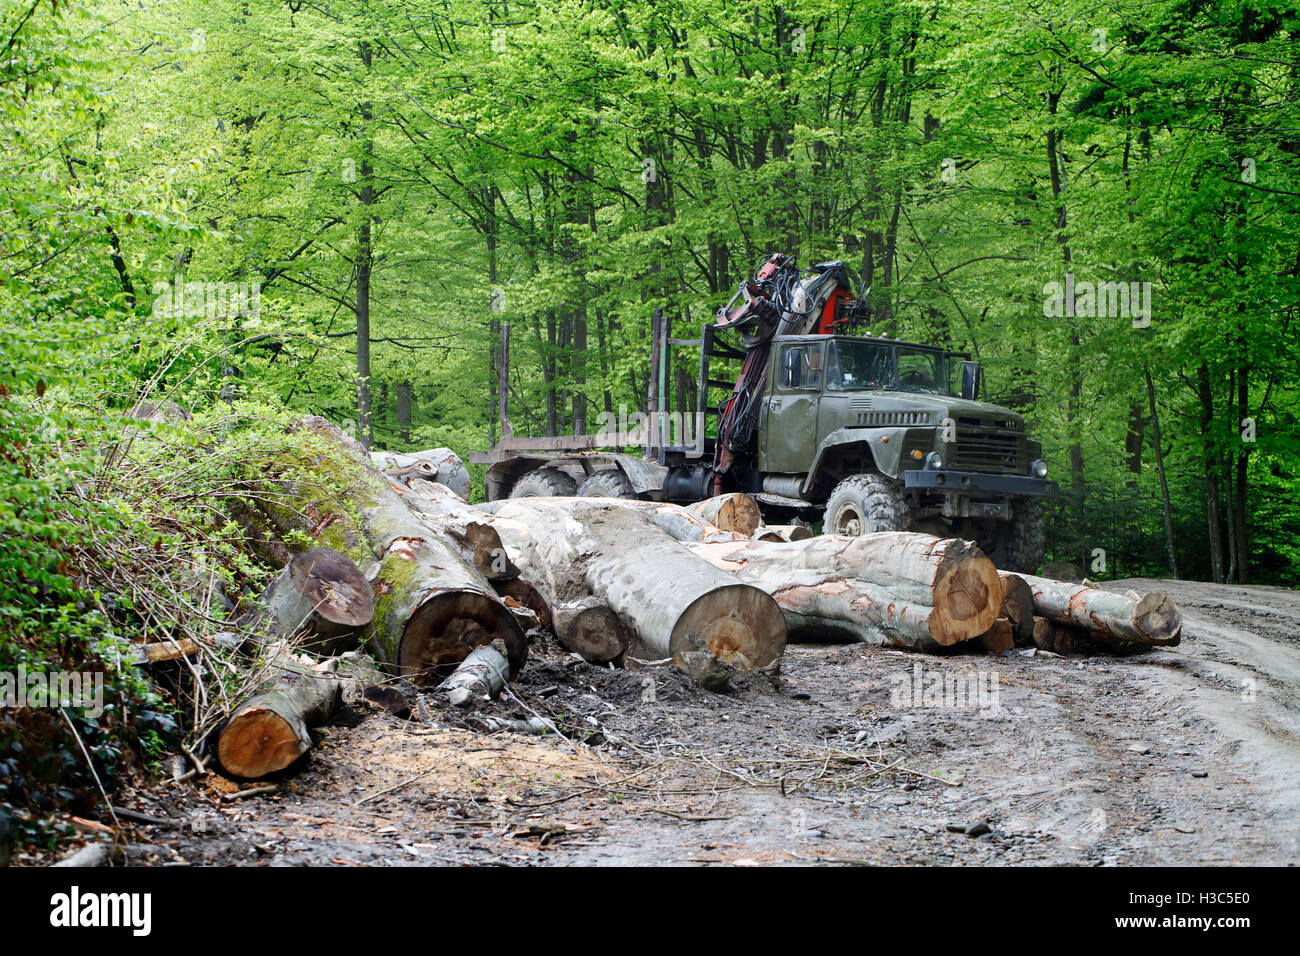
x,y
974,482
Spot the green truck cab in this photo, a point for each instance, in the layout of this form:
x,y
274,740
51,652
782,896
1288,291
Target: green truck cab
x,y
888,435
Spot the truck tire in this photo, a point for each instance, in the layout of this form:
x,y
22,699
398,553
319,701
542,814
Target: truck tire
x,y
863,504
1023,541
606,483
544,483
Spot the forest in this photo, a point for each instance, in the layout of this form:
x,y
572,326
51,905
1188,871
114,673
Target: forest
x,y
251,209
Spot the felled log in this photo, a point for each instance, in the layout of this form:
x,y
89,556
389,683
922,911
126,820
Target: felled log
x,y
91,855
270,730
441,509
482,674
435,464
782,532
660,590
321,597
679,521
552,564
950,577
1044,634
999,638
432,607
1017,607
736,512
819,603
1152,620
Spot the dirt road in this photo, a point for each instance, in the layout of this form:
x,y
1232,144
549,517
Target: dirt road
x,y
1184,756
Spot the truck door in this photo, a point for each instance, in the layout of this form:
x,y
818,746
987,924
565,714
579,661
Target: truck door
x,y
788,427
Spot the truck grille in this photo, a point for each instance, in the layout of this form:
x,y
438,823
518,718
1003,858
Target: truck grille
x,y
881,419
988,448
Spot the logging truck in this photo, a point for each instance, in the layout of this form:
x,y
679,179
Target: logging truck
x,y
862,433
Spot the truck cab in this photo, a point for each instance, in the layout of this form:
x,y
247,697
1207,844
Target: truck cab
x,y
837,408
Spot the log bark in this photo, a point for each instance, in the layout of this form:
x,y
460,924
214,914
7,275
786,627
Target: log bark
x,y
549,559
269,731
661,591
1018,607
950,576
819,604
736,512
321,597
482,674
1152,620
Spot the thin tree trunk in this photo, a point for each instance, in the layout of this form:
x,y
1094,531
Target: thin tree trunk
x,y
1160,470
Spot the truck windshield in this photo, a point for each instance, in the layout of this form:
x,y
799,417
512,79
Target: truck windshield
x,y
857,366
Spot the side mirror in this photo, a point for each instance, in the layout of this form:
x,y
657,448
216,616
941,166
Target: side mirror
x,y
790,377
970,380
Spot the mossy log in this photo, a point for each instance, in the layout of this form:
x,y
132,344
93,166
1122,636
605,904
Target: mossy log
x,y
432,607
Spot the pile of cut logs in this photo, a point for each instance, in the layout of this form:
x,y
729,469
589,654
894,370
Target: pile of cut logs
x,y
443,593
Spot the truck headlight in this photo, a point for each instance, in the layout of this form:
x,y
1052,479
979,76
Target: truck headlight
x,y
1039,468
934,461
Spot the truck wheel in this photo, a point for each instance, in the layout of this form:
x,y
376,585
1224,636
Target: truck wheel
x,y
863,504
606,483
1023,541
544,483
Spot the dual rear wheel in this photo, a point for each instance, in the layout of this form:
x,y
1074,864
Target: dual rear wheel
x,y
551,483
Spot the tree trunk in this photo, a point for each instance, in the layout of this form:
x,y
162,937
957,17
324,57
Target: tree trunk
x,y
819,603
951,576
552,564
1160,471
668,597
1152,619
270,730
320,596
736,512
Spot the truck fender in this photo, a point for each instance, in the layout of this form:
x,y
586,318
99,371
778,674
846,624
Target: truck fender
x,y
644,476
881,446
